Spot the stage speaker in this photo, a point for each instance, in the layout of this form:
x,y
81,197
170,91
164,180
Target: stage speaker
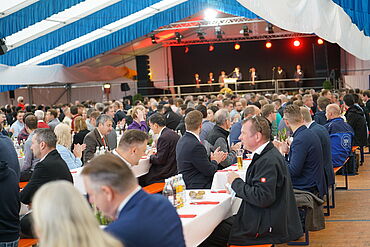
x,y
3,47
125,87
11,94
144,85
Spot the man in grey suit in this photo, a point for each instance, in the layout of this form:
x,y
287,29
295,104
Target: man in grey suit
x,y
98,137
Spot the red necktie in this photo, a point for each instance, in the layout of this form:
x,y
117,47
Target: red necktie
x,y
102,139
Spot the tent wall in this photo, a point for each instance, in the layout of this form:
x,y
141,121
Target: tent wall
x,y
356,71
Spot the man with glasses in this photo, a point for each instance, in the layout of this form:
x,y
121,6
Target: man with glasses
x,y
268,213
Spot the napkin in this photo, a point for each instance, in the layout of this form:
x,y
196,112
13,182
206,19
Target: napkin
x,y
219,191
204,203
188,215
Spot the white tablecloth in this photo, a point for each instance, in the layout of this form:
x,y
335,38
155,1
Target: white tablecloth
x,y
220,178
197,229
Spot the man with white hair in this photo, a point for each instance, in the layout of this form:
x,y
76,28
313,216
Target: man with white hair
x,y
40,120
20,101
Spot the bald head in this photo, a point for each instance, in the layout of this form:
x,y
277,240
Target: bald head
x,y
332,111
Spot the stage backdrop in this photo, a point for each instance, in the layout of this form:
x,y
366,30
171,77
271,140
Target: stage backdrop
x,y
254,54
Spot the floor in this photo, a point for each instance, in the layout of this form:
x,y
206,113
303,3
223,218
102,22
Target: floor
x,y
349,222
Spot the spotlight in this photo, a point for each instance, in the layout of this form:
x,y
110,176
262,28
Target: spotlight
x,y
211,48
154,39
200,35
186,49
237,46
296,43
219,32
269,28
320,41
268,44
210,14
178,37
245,31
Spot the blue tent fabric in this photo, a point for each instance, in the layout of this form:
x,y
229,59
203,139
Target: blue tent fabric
x,y
33,13
5,88
358,11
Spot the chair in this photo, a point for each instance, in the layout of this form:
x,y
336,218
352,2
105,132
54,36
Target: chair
x,y
154,188
27,242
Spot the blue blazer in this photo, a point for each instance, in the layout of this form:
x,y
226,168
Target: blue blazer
x,y
8,154
235,132
193,163
148,220
305,162
324,137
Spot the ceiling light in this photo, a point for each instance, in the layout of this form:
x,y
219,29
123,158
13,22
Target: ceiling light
x,y
210,14
269,28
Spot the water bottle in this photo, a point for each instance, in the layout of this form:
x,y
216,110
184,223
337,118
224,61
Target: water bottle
x,y
183,188
168,191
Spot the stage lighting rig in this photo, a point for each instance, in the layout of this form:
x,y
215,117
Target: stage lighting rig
x,y
219,32
200,35
269,28
178,36
154,39
245,31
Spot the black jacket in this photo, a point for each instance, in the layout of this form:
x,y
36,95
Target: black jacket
x,y
193,163
320,117
172,119
53,167
164,162
9,204
217,138
268,213
8,154
355,118
79,137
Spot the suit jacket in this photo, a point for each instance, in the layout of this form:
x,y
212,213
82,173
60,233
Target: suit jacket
x,y
8,154
305,161
92,141
356,118
53,167
172,119
164,162
193,163
324,137
268,213
320,117
152,215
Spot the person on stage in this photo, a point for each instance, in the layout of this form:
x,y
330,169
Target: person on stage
x,y
197,82
221,78
210,82
280,75
236,74
298,75
253,77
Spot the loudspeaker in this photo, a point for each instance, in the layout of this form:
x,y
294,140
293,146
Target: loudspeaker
x,y
125,87
3,47
11,94
143,68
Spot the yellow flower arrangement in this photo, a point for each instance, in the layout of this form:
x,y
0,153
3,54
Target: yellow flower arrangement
x,y
226,90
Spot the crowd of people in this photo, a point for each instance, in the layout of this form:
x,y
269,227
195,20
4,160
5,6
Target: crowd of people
x,y
294,141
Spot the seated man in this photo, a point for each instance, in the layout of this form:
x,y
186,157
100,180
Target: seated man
x,y
164,161
268,213
305,158
30,160
235,130
8,154
217,138
140,220
341,135
98,137
192,158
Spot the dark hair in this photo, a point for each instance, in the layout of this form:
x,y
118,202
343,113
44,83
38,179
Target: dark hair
x,y
74,110
132,137
46,135
349,100
202,109
366,93
213,108
157,118
31,122
53,112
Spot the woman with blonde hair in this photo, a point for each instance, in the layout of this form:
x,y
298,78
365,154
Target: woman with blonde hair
x,y
64,141
62,217
138,115
80,130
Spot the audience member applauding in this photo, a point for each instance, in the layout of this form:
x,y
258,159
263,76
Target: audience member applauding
x,y
62,217
217,138
192,158
305,158
138,115
112,187
164,161
30,160
98,137
9,205
268,213
132,147
64,142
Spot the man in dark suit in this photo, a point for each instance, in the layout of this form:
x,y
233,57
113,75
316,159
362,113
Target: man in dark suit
x,y
164,161
98,137
118,195
305,158
268,213
191,155
366,99
324,137
8,154
298,75
51,167
172,119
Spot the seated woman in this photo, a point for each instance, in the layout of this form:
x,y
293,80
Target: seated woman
x,y
138,115
64,141
62,217
80,130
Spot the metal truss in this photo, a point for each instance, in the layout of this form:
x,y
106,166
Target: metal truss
x,y
208,23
